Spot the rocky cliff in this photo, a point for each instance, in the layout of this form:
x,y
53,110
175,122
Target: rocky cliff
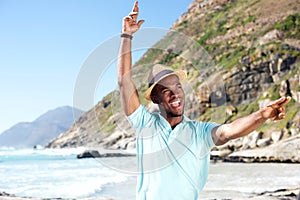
x,y
239,55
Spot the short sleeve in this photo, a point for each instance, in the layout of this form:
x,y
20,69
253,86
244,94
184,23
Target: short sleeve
x,y
140,118
205,135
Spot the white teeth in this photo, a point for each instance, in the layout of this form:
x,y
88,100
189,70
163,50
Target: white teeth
x,y
175,102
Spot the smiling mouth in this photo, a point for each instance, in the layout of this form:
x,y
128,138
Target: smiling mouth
x,y
175,104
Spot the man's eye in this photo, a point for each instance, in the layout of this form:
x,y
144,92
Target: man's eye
x,y
165,91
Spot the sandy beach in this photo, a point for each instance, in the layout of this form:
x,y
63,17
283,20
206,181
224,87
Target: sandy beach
x,y
284,194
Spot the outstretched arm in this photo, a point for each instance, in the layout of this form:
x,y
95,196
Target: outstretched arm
x,y
247,124
129,95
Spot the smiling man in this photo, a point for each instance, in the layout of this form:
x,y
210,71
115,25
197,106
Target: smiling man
x,y
165,90
173,151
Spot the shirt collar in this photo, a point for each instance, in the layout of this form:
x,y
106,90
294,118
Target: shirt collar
x,y
166,124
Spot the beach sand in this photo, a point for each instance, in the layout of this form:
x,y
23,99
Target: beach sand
x,y
287,194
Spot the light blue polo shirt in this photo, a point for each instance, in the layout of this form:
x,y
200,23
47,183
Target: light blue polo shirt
x,y
172,164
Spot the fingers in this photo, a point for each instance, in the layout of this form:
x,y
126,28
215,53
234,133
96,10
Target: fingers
x,y
130,23
287,100
140,23
127,18
281,109
135,11
281,113
135,7
276,103
279,117
278,109
133,16
280,102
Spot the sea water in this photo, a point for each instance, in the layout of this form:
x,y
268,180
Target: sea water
x,y
57,173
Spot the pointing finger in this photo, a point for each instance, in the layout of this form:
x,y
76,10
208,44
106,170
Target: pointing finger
x,y
287,100
278,102
135,7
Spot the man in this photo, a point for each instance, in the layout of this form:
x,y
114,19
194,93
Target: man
x,y
172,150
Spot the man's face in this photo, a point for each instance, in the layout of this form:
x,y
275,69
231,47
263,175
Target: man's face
x,y
169,95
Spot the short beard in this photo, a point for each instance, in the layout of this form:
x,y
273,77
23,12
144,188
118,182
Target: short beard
x,y
170,114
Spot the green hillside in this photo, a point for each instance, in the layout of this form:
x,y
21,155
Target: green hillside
x,y
238,55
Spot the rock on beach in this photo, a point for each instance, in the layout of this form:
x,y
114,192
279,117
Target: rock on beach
x,y
283,151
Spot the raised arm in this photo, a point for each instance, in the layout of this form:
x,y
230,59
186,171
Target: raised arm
x,y
129,96
249,123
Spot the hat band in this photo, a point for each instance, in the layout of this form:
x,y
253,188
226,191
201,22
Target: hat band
x,y
159,76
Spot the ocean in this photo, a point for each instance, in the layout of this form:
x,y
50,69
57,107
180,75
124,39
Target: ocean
x,y
57,173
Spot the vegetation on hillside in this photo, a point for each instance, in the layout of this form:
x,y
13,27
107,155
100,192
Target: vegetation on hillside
x,y
229,33
215,39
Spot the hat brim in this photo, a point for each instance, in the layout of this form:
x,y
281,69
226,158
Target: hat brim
x,y
180,73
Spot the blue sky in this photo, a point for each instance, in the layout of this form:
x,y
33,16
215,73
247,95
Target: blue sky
x,y
44,43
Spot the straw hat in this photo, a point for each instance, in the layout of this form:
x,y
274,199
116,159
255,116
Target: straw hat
x,y
157,73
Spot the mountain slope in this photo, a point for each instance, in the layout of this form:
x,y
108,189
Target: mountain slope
x,y
238,55
40,131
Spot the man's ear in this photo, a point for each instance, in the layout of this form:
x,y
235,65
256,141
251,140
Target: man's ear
x,y
154,99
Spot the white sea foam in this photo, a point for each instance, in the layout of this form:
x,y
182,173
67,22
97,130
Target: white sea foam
x,y
72,187
65,176
49,152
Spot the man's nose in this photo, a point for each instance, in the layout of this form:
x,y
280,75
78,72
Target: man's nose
x,y
175,92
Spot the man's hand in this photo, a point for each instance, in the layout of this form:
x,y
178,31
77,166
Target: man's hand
x,y
128,92
275,110
130,24
245,125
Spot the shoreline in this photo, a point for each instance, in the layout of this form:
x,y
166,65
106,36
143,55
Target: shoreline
x,y
237,157
7,196
286,194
